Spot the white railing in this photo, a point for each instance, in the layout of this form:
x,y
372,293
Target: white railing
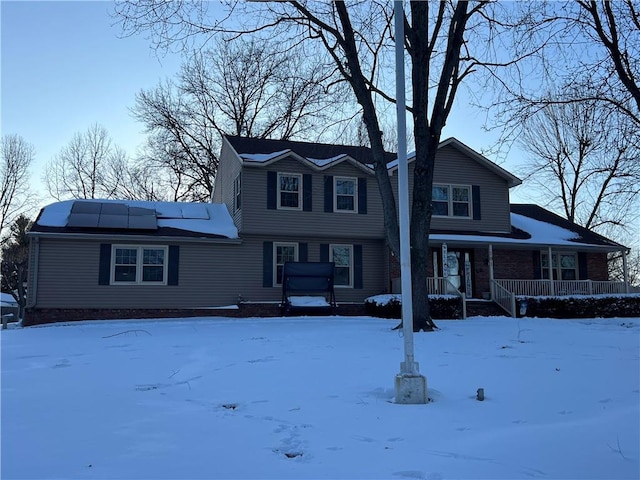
x,y
442,286
505,298
537,288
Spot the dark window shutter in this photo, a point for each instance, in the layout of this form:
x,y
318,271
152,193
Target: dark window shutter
x,y
267,264
324,252
104,266
357,266
537,266
303,252
306,192
475,194
174,265
583,274
362,195
328,193
272,190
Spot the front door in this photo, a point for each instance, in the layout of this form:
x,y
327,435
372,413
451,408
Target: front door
x,y
457,268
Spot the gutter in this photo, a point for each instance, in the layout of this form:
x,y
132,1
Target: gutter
x,y
145,238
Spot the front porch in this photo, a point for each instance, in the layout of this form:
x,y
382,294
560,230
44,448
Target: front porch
x,y
505,291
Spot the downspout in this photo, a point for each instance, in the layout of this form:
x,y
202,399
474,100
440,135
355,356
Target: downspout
x,y
625,271
32,283
552,290
491,279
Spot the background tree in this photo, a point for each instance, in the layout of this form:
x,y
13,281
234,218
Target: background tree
x,y
241,87
15,192
584,163
15,261
357,42
87,167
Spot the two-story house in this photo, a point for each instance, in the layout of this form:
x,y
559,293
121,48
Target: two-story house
x,y
278,201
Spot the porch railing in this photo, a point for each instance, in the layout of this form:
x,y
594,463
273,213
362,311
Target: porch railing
x,y
442,286
505,298
535,288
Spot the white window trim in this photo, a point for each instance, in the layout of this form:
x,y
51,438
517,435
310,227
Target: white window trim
x,y
351,272
275,258
139,265
285,174
558,268
450,187
355,194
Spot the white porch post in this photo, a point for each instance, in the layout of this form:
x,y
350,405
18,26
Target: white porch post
x,y
491,279
552,290
625,271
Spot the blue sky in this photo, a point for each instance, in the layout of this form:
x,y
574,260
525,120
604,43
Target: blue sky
x,y
64,68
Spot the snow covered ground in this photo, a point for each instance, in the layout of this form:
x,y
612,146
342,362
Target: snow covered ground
x,y
313,398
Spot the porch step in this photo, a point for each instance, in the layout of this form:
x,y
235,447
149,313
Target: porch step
x,y
484,308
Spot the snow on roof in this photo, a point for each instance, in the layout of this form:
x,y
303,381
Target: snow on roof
x,y
205,218
541,233
262,157
318,162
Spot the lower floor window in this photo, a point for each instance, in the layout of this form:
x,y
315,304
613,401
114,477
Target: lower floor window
x,y
563,265
139,264
283,252
342,256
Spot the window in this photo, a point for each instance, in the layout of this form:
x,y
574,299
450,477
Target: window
x,y
139,265
237,198
283,252
451,201
289,191
566,269
345,195
342,256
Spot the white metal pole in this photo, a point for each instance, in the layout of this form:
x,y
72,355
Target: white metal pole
x,y
411,387
403,194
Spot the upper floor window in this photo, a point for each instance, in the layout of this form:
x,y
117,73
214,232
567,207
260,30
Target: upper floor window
x,y
345,194
452,201
139,265
290,191
237,190
563,265
342,256
283,252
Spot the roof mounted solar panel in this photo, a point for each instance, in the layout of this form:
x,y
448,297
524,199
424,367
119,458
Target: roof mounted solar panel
x,y
113,221
143,222
114,209
86,207
83,220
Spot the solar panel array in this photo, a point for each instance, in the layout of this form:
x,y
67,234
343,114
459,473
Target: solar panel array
x,y
111,216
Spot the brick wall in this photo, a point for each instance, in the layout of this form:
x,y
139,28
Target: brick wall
x,y
37,316
597,266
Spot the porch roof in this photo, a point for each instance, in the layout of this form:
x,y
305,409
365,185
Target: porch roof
x,y
532,226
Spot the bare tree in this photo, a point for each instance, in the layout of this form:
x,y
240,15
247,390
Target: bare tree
x,y
616,26
15,261
86,168
357,41
584,162
15,192
241,87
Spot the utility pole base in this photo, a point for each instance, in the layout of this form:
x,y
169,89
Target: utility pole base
x,y
411,388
